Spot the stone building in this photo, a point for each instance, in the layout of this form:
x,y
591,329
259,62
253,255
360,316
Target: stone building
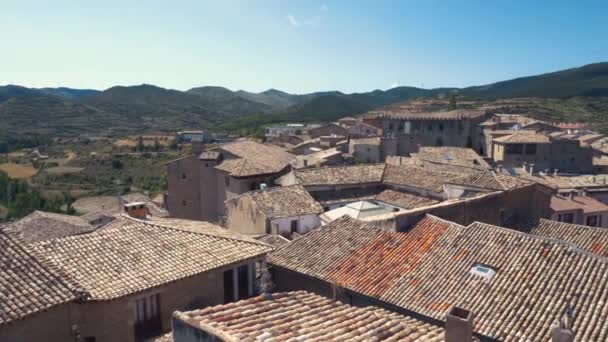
x,y
579,209
438,264
542,153
287,211
366,150
127,278
198,185
404,132
328,130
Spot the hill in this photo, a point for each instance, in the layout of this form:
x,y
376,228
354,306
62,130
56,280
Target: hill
x,y
148,108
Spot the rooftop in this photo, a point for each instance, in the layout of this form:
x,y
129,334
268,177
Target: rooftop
x,y
303,316
252,158
417,177
591,239
130,255
41,226
428,269
28,284
491,180
524,137
398,112
366,141
357,210
282,201
404,200
355,174
460,156
585,203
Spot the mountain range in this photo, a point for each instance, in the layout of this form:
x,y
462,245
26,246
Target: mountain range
x,y
145,108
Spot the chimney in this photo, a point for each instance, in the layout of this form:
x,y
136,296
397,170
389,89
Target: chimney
x,y
563,331
571,195
531,169
197,148
554,172
458,325
525,167
136,210
263,186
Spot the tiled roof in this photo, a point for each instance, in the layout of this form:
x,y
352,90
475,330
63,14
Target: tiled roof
x,y
303,316
491,180
153,208
253,158
428,269
355,174
590,239
404,199
395,112
210,155
346,195
414,176
27,283
282,201
432,166
130,255
524,137
585,203
460,156
275,240
40,226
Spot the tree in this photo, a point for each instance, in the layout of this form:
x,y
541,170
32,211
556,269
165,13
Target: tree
x,y
452,104
140,144
156,145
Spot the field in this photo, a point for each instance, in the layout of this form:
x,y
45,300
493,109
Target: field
x,y
18,171
62,170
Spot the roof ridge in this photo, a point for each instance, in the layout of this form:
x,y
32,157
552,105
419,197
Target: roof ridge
x,y
338,166
444,220
145,222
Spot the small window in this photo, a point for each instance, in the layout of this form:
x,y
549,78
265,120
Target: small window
x,y
391,126
441,127
484,271
206,164
514,149
183,176
592,221
566,218
531,149
184,203
294,226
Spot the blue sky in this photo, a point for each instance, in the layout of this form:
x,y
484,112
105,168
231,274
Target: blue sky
x,y
295,46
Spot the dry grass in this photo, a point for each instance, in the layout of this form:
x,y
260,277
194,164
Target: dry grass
x,y
18,171
63,170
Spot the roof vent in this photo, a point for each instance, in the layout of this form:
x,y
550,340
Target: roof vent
x,y
263,186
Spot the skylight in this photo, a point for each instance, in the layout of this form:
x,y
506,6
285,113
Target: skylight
x,y
483,271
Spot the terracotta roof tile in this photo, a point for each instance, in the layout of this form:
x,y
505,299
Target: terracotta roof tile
x,y
524,137
40,226
491,180
404,199
418,177
459,156
591,239
305,316
27,283
253,158
355,174
283,201
428,269
585,203
130,255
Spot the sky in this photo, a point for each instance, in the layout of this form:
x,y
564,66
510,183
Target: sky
x,y
295,46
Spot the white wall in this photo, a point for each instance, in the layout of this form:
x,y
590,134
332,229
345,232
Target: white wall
x,y
305,224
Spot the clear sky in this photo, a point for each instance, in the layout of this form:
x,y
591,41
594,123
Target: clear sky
x,y
296,46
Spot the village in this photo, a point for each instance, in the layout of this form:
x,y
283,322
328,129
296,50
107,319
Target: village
x,y
401,224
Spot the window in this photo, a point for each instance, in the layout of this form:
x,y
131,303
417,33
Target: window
x,y
391,126
430,127
183,176
441,127
514,148
227,180
184,203
253,186
294,226
566,218
206,164
483,271
592,221
531,149
146,308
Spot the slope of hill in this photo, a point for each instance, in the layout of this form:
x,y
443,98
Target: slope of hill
x,y
589,80
144,108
